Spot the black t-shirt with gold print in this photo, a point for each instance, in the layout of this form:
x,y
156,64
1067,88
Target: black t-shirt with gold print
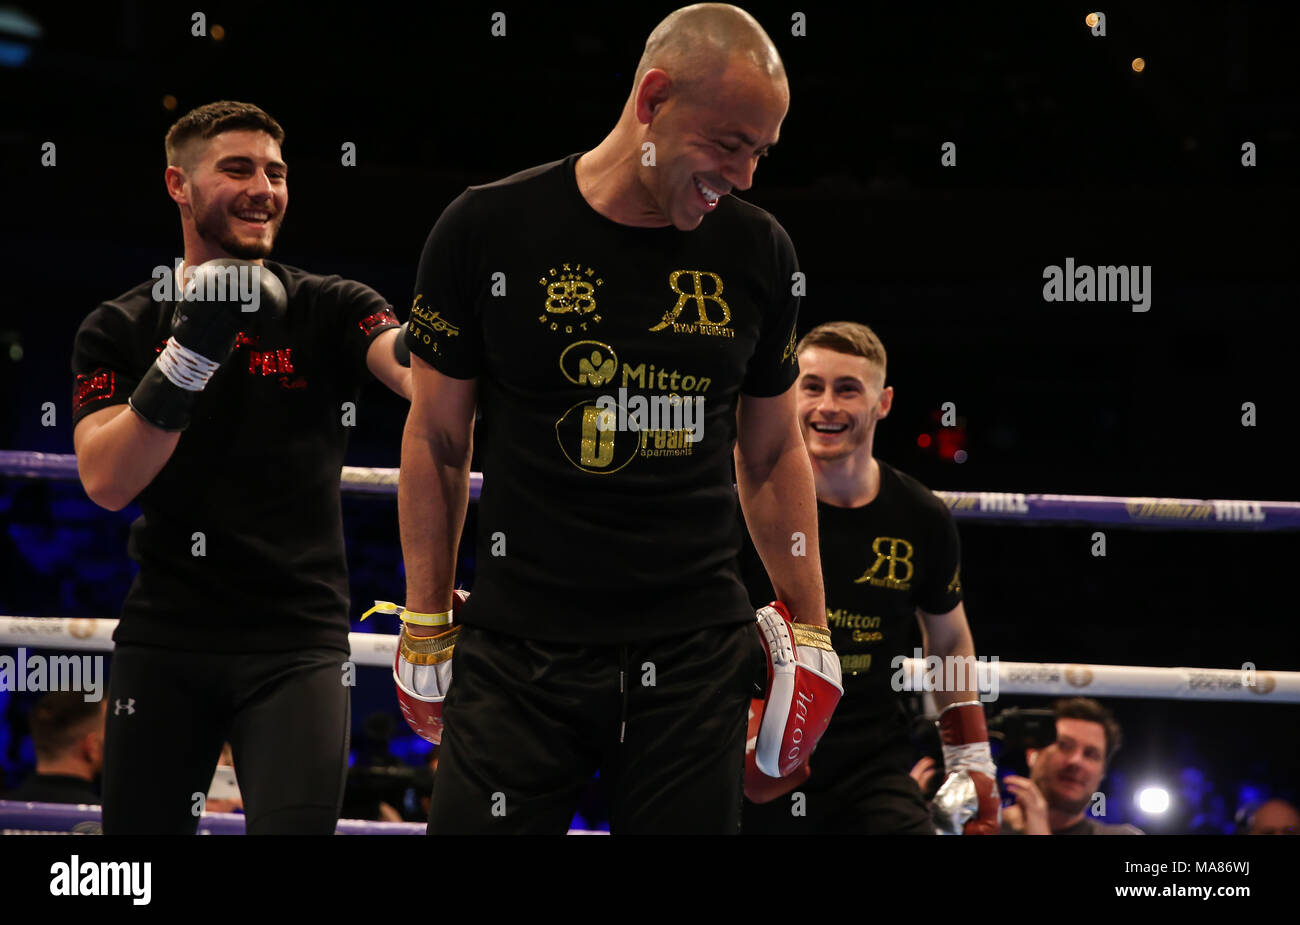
x,y
609,361
880,562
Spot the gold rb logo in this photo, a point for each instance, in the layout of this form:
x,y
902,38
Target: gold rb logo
x,y
697,295
892,554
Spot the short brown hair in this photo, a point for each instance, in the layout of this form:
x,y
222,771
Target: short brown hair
x,y
849,337
1086,708
214,118
59,721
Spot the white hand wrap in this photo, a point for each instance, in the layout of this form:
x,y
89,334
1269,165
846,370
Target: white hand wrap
x,y
973,757
184,368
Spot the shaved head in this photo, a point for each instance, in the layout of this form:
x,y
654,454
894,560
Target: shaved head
x,y
694,45
707,104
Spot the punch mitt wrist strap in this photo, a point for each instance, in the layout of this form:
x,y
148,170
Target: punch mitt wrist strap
x,y
410,616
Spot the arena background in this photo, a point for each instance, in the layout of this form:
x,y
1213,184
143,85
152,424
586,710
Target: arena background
x,y
1063,150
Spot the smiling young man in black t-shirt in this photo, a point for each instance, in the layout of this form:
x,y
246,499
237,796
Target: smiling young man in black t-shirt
x,y
890,555
622,323
228,427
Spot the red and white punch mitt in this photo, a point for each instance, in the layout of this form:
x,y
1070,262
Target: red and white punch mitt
x,y
803,687
967,803
422,671
759,788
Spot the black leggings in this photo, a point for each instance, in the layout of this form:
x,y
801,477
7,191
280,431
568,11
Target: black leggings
x,y
285,714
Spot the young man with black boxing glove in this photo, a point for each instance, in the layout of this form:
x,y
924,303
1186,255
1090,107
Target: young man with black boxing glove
x,y
217,401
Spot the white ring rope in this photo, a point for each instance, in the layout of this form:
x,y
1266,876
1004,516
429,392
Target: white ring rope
x,y
986,506
1243,685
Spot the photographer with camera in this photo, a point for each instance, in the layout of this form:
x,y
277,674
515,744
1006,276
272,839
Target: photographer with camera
x,y
1066,765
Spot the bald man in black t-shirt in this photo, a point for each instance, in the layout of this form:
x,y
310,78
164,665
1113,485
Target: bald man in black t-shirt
x,y
228,428
890,556
622,322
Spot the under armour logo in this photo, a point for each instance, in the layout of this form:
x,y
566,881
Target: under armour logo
x,y
119,706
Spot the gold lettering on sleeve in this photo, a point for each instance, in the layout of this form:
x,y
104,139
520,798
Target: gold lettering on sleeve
x,y
425,323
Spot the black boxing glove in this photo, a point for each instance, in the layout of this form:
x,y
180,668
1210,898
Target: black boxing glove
x,y
217,302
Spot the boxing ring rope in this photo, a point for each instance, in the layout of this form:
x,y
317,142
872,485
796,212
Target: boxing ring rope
x,y
62,467
377,650
21,818
1100,510
24,818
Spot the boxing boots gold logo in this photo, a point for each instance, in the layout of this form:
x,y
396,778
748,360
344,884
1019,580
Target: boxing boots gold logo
x,y
570,303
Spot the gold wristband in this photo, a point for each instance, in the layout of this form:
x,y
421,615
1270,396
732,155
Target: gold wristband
x,y
427,650
819,637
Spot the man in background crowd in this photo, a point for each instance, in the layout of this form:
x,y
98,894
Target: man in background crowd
x,y
68,735
1066,775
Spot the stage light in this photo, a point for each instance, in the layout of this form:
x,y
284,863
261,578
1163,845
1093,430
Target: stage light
x,y
18,33
1153,800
